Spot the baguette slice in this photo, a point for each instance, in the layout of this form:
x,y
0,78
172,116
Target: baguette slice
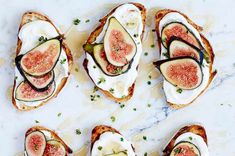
x,y
159,15
30,17
53,136
92,38
196,129
99,130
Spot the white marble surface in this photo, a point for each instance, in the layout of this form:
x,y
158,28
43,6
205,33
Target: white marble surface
x,y
215,109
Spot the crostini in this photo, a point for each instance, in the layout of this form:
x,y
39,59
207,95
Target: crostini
x,y
106,140
186,58
113,51
40,141
188,141
43,62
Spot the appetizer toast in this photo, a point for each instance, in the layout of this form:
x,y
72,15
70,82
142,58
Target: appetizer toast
x,y
186,58
22,104
115,67
192,136
106,140
42,141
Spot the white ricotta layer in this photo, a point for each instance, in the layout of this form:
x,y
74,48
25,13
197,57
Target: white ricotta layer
x,y
186,96
29,35
125,14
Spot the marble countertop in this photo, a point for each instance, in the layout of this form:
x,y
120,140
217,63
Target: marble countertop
x,y
147,113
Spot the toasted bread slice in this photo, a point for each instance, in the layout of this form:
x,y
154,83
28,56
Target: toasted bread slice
x,y
53,136
99,130
26,18
92,38
196,129
159,15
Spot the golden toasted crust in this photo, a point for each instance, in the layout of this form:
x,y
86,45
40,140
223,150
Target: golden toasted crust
x,y
159,15
196,129
92,38
99,130
53,134
26,18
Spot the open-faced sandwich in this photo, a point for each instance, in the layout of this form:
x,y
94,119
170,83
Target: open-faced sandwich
x,y
107,141
113,51
40,141
186,58
43,62
188,141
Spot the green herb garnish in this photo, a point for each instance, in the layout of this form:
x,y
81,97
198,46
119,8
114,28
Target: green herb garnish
x,y
87,21
62,61
144,137
78,132
113,119
59,114
146,54
149,82
36,121
42,39
100,148
101,80
152,46
121,139
179,90
134,109
76,21
111,90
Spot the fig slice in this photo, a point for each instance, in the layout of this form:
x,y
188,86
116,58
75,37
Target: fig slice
x,y
182,72
42,59
106,67
185,148
24,92
41,83
179,48
54,148
35,143
119,46
177,29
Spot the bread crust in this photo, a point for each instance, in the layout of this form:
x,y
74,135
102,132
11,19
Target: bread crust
x,y
159,15
99,130
26,18
92,38
53,134
196,129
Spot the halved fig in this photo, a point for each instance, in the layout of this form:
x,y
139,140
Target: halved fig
x,y
42,59
185,148
35,143
41,83
119,46
177,29
24,92
106,67
178,48
183,72
54,148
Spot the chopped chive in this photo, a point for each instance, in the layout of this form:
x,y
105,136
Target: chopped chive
x,y
94,66
190,138
36,121
121,139
136,35
146,54
122,105
87,21
113,119
149,82
101,80
179,90
78,131
152,46
149,105
76,21
42,39
100,148
59,114
111,90
145,154
144,137
62,61
134,109
76,69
